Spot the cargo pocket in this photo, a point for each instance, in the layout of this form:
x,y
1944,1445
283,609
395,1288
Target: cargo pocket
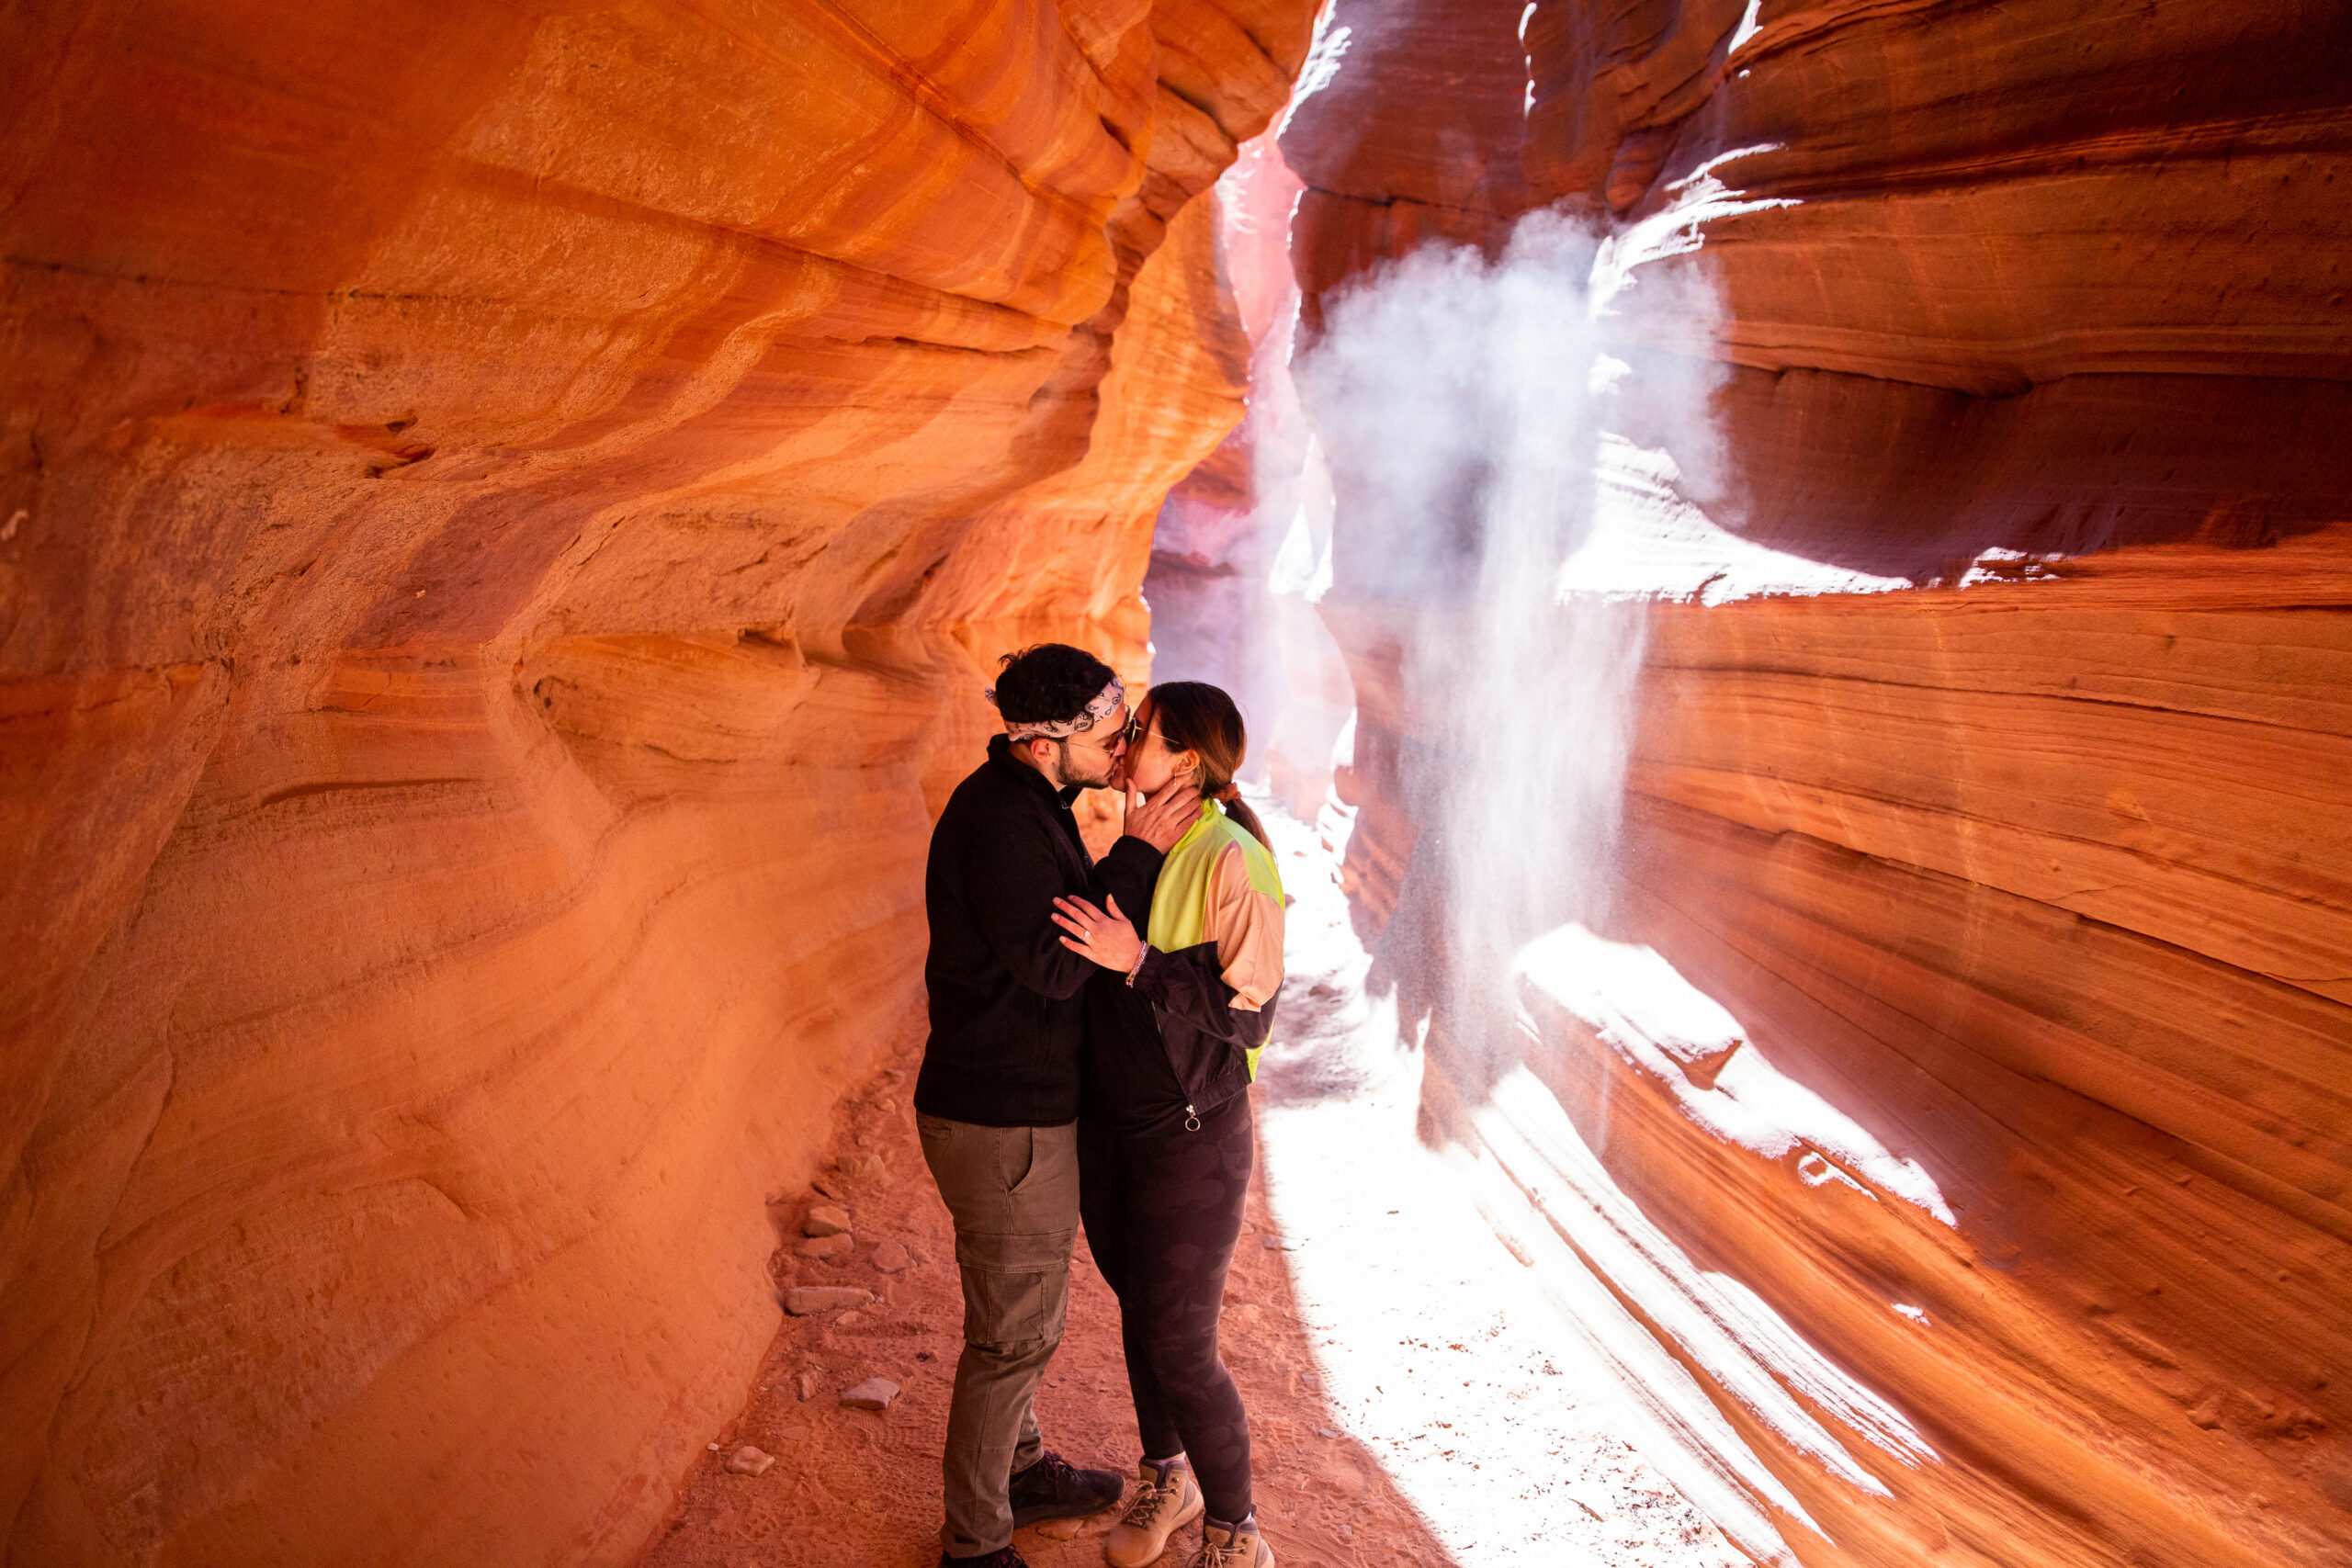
x,y
1016,1157
1016,1288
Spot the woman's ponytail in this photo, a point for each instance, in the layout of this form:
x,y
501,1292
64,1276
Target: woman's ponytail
x,y
1230,801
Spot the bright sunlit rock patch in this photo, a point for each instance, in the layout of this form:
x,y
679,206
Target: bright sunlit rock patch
x,y
1648,542
1637,1003
1745,1346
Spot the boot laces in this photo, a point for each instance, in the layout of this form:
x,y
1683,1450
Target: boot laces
x,y
1149,1504
1238,1552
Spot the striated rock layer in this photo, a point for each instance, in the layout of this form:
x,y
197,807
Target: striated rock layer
x,y
502,521
2044,882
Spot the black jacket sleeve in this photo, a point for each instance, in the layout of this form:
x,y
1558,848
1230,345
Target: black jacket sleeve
x,y
1129,873
1190,985
1011,878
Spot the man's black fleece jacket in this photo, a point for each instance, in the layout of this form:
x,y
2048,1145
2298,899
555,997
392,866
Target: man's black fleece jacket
x,y
1007,1017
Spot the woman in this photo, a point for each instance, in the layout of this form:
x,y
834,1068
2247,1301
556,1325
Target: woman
x,y
1165,1135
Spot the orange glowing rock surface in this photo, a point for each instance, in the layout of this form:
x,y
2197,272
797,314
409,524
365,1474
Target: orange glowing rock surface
x,y
503,515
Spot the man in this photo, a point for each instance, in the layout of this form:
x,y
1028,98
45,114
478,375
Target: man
x,y
997,1100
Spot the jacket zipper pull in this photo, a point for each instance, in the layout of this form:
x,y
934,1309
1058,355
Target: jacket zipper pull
x,y
1191,1120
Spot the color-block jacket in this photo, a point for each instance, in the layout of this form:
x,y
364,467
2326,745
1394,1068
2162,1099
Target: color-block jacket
x,y
1184,1038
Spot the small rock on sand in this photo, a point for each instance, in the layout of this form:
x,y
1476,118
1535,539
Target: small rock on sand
x,y
830,1248
825,1219
890,1256
803,1300
1060,1530
805,1385
863,1168
874,1393
748,1460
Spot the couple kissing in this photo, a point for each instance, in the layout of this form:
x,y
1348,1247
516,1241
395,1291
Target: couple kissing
x,y
1095,1030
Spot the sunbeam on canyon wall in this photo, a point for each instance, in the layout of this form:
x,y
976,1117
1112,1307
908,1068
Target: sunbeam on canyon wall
x,y
1467,403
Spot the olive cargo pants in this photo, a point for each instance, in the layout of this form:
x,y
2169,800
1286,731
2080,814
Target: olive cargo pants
x,y
1013,1194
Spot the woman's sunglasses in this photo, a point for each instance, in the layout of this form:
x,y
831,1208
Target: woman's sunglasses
x,y
1132,733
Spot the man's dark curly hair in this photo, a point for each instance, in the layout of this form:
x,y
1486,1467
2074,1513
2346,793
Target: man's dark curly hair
x,y
1049,682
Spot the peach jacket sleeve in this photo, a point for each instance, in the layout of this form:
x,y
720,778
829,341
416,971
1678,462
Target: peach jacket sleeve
x,y
1247,926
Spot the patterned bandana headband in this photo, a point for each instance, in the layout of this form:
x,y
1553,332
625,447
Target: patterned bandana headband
x,y
1106,702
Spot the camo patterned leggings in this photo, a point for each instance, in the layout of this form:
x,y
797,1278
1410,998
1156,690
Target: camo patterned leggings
x,y
1161,1217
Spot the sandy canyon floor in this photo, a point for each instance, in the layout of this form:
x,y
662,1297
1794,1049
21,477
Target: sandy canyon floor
x,y
1413,1399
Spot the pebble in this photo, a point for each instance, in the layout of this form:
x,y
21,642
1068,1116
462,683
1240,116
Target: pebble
x,y
829,1248
712,1447
1060,1530
890,1256
825,1219
748,1460
805,1385
863,1168
803,1300
1278,1244
1325,1432
850,1319
874,1393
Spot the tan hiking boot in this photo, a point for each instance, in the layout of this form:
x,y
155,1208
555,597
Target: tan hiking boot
x,y
1170,1498
1240,1547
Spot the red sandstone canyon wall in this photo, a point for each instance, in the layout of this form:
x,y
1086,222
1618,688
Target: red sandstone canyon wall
x,y
503,510
2042,881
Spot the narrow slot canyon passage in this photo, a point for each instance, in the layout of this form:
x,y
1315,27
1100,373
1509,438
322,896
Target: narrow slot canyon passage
x,y
1365,1266
1788,569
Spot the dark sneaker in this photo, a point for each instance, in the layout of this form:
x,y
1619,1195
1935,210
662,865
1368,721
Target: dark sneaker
x,y
1003,1557
1050,1489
